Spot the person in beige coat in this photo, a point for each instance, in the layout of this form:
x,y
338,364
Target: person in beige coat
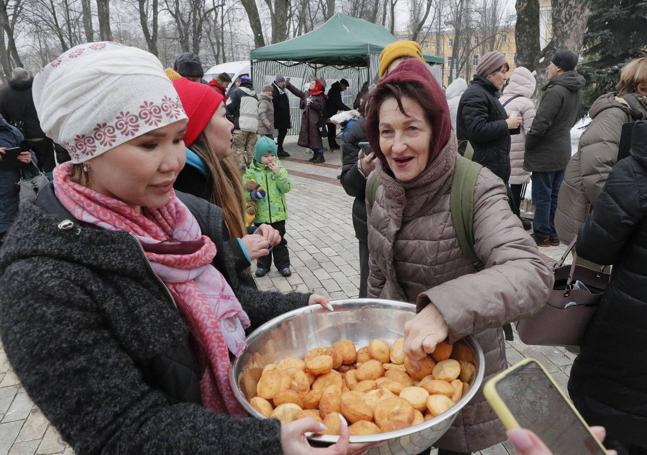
x,y
516,99
597,153
414,252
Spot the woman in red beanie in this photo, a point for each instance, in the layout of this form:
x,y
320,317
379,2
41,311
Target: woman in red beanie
x,y
415,255
210,173
309,136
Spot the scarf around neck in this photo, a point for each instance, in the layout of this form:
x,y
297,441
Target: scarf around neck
x,y
181,257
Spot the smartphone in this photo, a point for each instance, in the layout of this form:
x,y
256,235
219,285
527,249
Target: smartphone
x,y
10,156
526,396
366,146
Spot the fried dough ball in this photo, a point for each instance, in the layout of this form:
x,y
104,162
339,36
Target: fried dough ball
x,y
330,400
443,351
350,378
269,384
363,355
393,414
467,371
355,408
396,354
390,385
371,369
333,424
308,413
458,390
288,396
373,397
436,386
447,370
379,350
311,399
437,404
319,365
311,378
466,388
365,386
363,427
399,376
337,359
262,405
463,352
393,366
249,381
286,412
419,369
291,362
417,417
416,396
323,381
300,382
312,353
428,416
269,366
347,350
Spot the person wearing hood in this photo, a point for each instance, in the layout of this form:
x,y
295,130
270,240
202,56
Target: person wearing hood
x,y
282,121
482,120
269,183
242,111
597,152
314,102
607,382
266,113
517,100
220,83
548,143
189,65
17,108
415,252
453,94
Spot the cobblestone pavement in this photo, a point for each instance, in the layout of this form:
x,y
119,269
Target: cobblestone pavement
x,y
325,259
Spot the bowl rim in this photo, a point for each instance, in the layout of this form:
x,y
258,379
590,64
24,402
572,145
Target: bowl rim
x,y
380,437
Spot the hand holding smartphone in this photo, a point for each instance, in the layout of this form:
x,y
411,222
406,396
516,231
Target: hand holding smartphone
x,y
9,157
525,396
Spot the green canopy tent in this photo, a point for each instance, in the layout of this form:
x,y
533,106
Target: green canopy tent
x,y
343,47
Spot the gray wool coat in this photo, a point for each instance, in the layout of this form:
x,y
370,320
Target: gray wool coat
x,y
83,317
415,257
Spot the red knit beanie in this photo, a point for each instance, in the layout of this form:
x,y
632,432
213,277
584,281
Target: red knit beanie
x,y
200,103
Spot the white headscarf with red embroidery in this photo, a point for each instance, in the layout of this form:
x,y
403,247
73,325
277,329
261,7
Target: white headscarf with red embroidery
x,y
93,98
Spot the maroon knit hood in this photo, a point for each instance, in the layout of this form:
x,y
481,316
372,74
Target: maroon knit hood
x,y
432,99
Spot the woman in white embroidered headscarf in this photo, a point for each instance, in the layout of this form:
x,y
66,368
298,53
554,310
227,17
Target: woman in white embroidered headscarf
x,y
114,310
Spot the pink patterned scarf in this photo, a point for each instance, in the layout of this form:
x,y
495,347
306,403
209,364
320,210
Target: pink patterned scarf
x,y
181,256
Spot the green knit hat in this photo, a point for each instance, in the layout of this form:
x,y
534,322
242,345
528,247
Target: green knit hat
x,y
264,146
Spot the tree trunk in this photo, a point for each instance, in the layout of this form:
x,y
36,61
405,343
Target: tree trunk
x,y
419,22
254,22
88,28
150,33
5,61
526,33
5,23
103,11
392,25
280,20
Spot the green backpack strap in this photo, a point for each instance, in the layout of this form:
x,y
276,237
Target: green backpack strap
x,y
461,206
465,149
372,184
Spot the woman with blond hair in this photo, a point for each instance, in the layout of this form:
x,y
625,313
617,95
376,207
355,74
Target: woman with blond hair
x,y
597,153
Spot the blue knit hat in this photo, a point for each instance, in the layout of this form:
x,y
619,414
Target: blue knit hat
x,y
264,146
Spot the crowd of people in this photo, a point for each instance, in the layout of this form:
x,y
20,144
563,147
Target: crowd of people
x,y
127,286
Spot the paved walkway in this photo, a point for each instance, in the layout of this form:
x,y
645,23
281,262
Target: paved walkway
x,y
325,259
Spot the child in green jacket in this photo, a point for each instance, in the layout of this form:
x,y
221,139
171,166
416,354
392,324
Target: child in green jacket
x,y
270,181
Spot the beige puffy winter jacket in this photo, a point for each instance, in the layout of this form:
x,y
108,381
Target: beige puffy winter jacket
x,y
415,257
597,153
517,94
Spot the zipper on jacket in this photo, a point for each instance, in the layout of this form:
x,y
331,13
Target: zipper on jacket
x,y
150,269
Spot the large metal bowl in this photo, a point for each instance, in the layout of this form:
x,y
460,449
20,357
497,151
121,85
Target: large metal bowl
x,y
360,320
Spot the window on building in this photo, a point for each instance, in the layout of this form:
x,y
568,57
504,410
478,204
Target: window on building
x,y
475,40
451,42
476,58
504,37
449,62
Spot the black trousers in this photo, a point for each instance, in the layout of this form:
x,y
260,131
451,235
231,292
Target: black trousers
x,y
279,142
280,251
332,135
515,198
624,449
363,269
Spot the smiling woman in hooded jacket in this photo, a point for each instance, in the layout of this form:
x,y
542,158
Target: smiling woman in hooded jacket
x,y
415,253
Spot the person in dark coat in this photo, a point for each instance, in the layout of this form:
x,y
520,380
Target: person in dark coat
x,y
548,143
314,103
17,107
282,121
189,65
356,166
482,120
334,104
220,83
608,380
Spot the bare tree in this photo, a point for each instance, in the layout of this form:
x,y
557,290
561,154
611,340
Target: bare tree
x,y
103,12
279,12
149,10
527,33
254,21
88,27
419,13
327,8
9,14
